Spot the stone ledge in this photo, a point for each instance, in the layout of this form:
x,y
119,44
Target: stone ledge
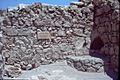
x,y
86,63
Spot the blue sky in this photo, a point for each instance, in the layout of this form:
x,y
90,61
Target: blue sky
x,y
12,3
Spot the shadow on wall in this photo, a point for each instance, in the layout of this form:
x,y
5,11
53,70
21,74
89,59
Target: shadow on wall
x,y
106,24
95,48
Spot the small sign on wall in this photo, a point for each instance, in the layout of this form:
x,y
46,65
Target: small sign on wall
x,y
44,35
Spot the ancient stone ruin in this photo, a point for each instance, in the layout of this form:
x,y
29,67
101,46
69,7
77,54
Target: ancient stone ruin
x,y
85,34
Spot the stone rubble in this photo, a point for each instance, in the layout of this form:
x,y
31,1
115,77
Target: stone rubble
x,y
86,63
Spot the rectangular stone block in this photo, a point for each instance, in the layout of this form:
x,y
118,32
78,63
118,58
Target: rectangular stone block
x,y
44,35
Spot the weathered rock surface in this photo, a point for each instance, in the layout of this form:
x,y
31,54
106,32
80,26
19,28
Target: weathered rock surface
x,y
86,63
61,71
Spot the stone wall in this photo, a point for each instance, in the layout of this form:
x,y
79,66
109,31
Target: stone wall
x,y
105,32
41,34
31,35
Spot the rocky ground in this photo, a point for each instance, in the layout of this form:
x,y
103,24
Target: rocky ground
x,y
60,71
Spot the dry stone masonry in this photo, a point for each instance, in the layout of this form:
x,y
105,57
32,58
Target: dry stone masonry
x,y
106,30
86,63
40,34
